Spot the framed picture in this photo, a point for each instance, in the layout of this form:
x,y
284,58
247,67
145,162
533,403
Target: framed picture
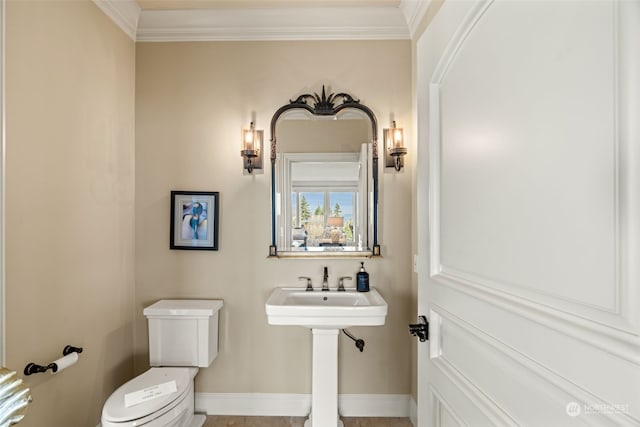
x,y
194,220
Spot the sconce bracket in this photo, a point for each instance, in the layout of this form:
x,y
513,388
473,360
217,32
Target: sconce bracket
x,y
393,158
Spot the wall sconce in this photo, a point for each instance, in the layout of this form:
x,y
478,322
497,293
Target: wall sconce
x,y
394,148
251,150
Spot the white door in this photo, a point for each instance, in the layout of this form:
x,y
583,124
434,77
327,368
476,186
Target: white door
x,y
2,149
529,213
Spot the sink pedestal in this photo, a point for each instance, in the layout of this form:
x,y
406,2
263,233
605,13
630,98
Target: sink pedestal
x,y
324,380
325,313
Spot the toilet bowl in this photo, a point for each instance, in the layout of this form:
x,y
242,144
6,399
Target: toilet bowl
x,y
183,335
175,409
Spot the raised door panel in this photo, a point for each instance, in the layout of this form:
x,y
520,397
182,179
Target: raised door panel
x,y
527,175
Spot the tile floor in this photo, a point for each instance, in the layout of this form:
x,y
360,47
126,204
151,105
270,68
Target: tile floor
x,y
227,421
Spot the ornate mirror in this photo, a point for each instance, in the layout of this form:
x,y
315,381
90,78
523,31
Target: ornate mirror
x,y
324,178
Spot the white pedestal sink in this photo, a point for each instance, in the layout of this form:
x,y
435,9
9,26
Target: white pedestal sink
x,y
325,313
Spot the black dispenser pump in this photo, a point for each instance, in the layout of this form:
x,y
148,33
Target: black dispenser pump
x,y
362,279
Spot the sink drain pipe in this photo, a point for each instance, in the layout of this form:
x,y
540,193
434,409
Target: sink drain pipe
x,y
358,341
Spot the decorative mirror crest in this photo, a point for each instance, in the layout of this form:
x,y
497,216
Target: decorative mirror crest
x,y
324,105
327,106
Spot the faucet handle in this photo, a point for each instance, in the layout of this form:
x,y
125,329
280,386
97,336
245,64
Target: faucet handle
x,y
308,279
341,282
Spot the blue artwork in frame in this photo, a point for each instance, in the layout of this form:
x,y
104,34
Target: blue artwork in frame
x,y
194,220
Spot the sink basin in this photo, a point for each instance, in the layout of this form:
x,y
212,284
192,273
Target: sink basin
x,y
326,310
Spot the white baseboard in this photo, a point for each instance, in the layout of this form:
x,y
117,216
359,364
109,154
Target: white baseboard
x,y
265,404
299,405
374,405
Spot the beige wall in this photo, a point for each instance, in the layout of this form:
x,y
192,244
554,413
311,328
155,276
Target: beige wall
x,y
192,99
69,198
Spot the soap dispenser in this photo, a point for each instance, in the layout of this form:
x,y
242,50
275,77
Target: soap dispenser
x,y
362,279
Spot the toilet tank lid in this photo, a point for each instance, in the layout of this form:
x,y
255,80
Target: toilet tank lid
x,y
184,307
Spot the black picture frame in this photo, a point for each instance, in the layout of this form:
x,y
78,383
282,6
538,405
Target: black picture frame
x,y
194,220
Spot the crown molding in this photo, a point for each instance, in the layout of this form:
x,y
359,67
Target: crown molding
x,y
414,11
313,23
309,23
124,13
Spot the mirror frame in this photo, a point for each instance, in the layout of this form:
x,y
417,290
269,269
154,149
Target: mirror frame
x,y
324,105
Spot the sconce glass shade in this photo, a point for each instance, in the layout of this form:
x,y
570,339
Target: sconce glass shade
x,y
251,148
394,148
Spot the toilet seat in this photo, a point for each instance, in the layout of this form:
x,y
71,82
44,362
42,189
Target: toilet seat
x,y
115,412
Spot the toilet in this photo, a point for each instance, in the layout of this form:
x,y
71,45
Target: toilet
x,y
183,336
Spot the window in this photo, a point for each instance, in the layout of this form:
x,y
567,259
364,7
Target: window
x,y
322,201
324,218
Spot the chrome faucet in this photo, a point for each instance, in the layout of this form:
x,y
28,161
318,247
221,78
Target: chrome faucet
x,y
325,280
341,282
308,279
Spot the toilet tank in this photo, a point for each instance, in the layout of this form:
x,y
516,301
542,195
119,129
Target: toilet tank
x,y
183,332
